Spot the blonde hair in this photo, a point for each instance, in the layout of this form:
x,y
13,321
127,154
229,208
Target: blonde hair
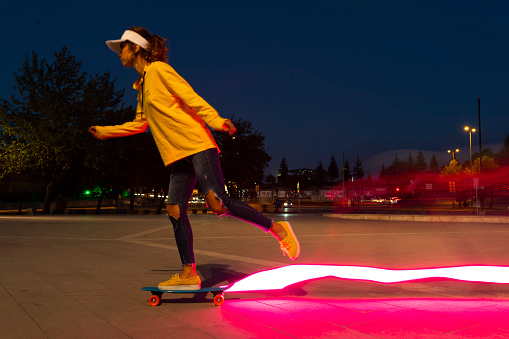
x,y
156,50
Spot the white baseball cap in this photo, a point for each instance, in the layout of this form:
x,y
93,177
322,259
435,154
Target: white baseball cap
x,y
128,35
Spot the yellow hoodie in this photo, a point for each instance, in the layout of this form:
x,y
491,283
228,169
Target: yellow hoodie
x,y
175,113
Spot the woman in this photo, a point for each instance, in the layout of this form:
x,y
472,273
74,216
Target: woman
x,y
177,117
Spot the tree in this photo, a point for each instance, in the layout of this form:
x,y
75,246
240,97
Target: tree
x,y
488,164
44,128
410,165
282,177
131,162
383,172
243,157
502,156
358,171
347,174
333,170
270,179
486,152
433,165
320,175
396,168
453,168
420,163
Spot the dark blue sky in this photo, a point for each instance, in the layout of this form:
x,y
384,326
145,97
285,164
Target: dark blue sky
x,y
316,78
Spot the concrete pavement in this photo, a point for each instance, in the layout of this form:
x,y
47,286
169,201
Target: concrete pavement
x,y
446,218
71,275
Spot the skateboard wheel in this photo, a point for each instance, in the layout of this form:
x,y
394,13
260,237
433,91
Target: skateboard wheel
x,y
219,299
154,300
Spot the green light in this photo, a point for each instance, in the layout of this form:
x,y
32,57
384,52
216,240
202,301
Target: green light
x,y
87,192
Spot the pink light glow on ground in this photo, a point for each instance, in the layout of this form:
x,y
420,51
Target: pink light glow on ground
x,y
382,318
282,277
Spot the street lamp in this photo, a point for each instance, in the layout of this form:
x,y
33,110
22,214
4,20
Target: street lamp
x,y
453,152
470,131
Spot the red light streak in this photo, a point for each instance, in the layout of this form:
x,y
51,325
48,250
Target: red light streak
x,y
282,277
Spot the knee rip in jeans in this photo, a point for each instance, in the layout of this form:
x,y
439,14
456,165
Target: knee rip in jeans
x,y
215,203
173,211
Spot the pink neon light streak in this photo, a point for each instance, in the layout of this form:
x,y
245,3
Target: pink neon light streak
x,y
281,277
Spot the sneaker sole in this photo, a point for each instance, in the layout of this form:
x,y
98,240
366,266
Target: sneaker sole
x,y
288,229
180,288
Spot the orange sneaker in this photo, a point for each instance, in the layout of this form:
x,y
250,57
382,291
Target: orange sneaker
x,y
289,245
178,284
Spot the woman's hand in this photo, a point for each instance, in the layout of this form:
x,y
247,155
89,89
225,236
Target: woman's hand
x,y
229,127
93,130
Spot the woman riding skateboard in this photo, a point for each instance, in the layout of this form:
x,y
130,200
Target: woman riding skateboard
x,y
177,116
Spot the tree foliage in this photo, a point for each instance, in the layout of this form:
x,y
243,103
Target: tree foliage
x,y
410,164
383,172
333,170
488,164
358,170
433,165
243,157
486,152
397,167
270,179
44,127
502,156
320,175
282,177
453,168
420,163
347,175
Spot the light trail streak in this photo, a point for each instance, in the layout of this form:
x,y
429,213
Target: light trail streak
x,y
278,278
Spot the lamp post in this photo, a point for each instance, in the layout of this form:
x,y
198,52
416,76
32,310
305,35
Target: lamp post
x,y
453,152
470,131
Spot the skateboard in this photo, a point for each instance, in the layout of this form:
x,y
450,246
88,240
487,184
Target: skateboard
x,y
155,299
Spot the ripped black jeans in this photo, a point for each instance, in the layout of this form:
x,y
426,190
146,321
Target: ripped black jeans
x,y
205,168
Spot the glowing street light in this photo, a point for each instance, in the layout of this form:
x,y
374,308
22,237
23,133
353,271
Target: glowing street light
x,y
453,152
470,131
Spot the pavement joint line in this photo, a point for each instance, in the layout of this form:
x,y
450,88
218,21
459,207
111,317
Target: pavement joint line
x,y
402,233
210,254
300,236
54,238
218,237
131,239
23,309
142,233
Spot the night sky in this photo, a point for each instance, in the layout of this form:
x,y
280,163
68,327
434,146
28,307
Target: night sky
x,y
316,78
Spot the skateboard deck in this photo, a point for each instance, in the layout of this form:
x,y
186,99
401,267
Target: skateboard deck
x,y
155,299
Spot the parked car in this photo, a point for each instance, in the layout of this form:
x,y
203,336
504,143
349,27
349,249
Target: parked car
x,y
282,203
378,200
393,200
195,200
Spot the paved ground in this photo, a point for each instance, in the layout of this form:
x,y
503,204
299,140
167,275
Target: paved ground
x,y
80,276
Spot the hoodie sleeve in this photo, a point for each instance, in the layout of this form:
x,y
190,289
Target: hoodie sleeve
x,y
137,126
